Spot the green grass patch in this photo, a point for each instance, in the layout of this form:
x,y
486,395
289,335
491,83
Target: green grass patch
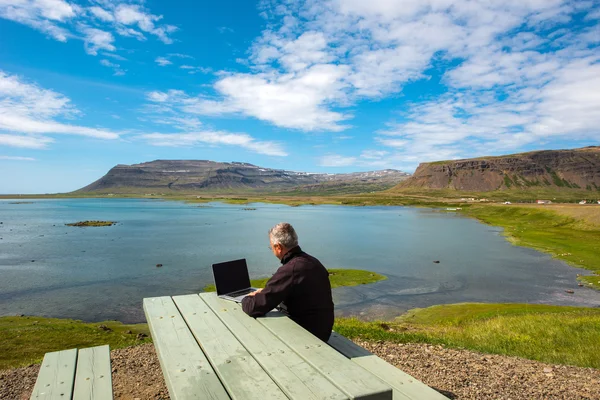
x,y
337,277
92,223
564,237
551,334
25,340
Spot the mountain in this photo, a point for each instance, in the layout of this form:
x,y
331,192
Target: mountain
x,y
550,169
201,175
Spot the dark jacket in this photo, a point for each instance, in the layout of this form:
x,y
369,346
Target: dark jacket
x,y
302,285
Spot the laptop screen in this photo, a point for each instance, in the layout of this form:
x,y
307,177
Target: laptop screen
x,y
231,276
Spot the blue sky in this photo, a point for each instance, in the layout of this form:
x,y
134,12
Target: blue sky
x,y
327,85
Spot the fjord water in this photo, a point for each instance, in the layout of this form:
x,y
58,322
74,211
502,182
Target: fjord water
x,y
100,273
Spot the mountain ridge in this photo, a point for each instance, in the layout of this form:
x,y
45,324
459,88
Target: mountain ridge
x,y
550,169
206,175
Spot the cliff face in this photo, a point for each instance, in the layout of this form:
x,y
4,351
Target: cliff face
x,y
198,175
564,169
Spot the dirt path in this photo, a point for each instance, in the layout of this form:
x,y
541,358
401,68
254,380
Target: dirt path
x,y
459,374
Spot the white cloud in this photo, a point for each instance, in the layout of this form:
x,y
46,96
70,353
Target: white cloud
x,y
516,73
107,63
317,57
168,108
114,56
295,100
194,70
22,141
116,67
101,14
43,15
97,39
179,55
130,32
130,14
60,20
215,138
29,110
162,61
16,158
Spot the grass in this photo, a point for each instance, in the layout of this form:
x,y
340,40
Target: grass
x,y
92,223
337,277
574,240
551,334
25,340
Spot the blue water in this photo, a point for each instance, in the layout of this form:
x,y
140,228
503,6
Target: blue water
x,y
99,273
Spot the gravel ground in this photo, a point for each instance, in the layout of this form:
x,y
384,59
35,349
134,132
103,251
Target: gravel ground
x,y
459,374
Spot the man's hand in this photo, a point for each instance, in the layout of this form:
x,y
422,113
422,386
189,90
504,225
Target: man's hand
x,y
254,293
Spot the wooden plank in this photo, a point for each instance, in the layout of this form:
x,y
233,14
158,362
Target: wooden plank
x,y
239,372
187,372
56,376
353,380
93,379
404,386
296,378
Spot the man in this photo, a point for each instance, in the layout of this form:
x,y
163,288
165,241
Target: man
x,y
301,284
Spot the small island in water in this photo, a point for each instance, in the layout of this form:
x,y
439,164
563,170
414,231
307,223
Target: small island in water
x,y
92,223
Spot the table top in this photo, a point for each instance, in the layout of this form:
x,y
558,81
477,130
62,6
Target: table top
x,y
210,349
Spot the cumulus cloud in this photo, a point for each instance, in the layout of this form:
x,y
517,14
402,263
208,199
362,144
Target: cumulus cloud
x,y
28,112
297,101
513,73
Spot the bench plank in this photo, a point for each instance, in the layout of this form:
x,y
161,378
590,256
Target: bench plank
x,y
293,375
353,380
187,372
93,379
239,372
405,386
56,377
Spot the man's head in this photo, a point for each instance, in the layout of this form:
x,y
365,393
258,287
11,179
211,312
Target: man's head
x,y
282,238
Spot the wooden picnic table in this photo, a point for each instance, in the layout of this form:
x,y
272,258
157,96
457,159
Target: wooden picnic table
x,y
210,349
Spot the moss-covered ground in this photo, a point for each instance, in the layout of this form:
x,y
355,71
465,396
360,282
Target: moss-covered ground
x,y
25,340
337,277
551,334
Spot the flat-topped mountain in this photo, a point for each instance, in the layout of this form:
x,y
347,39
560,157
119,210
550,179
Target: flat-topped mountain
x,y
551,169
203,175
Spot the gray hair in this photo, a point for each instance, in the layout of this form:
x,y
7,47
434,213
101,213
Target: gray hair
x,y
284,234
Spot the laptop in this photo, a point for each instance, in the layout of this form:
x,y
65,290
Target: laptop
x,y
232,280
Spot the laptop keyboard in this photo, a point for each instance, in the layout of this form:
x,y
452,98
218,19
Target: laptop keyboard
x,y
242,292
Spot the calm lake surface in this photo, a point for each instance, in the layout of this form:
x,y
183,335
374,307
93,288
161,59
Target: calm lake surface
x,y
100,273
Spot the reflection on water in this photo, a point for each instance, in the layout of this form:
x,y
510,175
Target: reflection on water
x,y
47,268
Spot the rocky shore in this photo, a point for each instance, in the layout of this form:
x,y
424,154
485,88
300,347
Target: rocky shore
x,y
458,374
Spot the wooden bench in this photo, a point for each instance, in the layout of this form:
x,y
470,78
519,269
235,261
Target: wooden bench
x,y
75,374
405,386
209,348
